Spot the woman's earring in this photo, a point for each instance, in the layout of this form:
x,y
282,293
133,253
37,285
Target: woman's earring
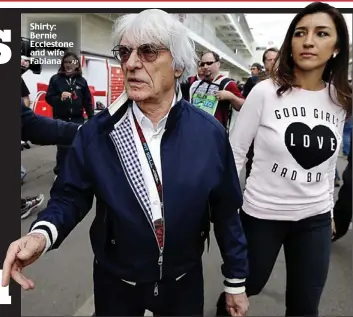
x,y
334,55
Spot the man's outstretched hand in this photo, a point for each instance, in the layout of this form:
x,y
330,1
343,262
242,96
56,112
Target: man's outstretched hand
x,y
20,254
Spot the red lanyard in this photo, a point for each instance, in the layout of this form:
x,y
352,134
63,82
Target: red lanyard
x,y
159,223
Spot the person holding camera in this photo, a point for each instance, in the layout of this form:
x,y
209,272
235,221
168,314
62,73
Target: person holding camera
x,y
68,94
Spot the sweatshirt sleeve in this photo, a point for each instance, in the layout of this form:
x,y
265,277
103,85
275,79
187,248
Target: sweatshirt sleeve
x,y
247,125
332,169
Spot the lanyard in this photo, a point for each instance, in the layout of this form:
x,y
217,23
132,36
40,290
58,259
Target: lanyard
x,y
159,223
230,110
70,83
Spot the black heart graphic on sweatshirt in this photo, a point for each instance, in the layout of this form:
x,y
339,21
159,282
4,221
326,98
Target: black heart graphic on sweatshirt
x,y
310,147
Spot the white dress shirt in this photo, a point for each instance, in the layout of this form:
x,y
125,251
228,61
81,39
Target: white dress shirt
x,y
153,137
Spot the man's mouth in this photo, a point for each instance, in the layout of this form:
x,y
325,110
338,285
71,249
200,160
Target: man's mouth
x,y
135,80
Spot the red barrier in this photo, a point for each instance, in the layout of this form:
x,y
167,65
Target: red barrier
x,y
40,106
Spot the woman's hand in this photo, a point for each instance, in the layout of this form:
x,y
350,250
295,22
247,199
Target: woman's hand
x,y
65,95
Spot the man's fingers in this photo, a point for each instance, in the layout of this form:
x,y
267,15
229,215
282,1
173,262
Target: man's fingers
x,y
237,310
19,253
22,280
242,311
232,311
8,263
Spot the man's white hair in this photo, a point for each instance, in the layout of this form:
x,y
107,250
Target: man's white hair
x,y
156,26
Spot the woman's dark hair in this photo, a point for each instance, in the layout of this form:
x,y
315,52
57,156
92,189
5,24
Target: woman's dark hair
x,y
336,70
78,69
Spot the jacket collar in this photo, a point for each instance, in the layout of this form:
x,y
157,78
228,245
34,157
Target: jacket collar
x,y
118,109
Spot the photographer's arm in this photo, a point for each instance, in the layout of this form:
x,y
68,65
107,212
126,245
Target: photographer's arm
x,y
45,131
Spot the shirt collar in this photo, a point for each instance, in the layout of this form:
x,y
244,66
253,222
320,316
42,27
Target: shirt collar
x,y
143,120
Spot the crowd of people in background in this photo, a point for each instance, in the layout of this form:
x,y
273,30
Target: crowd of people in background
x,y
173,150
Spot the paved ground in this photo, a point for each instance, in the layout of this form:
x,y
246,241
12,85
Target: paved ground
x,y
64,278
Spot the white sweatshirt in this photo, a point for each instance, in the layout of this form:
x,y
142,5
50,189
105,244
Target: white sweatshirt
x,y
297,139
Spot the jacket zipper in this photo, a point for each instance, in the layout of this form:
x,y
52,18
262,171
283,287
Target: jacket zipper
x,y
160,258
160,264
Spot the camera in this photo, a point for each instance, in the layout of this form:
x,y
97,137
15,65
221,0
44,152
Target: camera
x,y
27,54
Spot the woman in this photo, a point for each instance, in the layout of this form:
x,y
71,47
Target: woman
x,y
296,119
68,94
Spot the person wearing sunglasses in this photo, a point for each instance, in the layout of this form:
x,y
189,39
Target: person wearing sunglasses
x,y
154,199
216,94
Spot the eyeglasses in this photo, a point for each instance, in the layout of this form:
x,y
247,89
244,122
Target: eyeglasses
x,y
202,64
146,52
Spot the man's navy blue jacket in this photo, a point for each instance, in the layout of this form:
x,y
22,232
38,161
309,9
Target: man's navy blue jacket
x,y
199,180
45,131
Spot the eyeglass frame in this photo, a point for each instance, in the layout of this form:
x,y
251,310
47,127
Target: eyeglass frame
x,y
130,50
206,63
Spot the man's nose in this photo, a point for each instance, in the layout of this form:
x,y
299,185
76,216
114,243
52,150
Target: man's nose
x,y
134,61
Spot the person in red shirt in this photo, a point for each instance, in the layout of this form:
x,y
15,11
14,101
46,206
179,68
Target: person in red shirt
x,y
216,94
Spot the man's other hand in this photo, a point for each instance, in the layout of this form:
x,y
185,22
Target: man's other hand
x,y
237,304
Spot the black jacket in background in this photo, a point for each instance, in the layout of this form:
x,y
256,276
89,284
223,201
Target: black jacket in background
x,y
342,211
45,131
70,108
250,84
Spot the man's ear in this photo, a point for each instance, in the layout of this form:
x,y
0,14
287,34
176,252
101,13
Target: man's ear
x,y
178,73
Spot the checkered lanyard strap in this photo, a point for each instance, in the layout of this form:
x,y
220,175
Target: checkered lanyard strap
x,y
159,223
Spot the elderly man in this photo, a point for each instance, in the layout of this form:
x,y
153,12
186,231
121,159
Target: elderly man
x,y
158,185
